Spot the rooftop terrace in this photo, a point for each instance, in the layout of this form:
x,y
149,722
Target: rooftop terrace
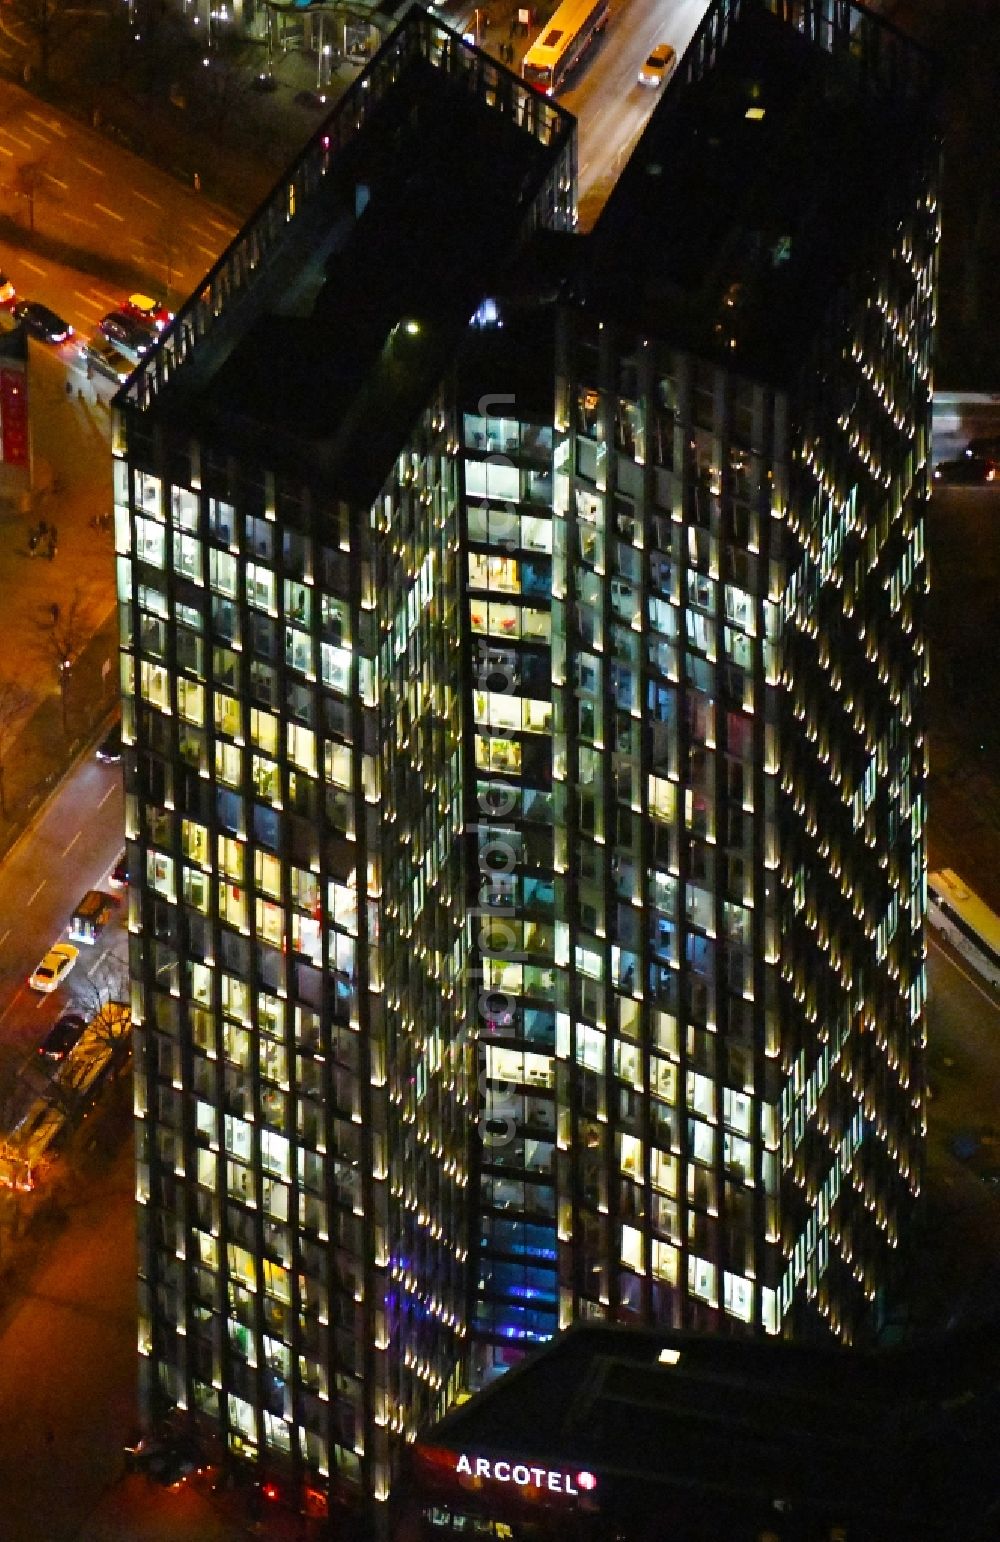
x,y
337,309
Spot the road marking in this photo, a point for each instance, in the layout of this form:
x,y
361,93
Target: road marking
x,y
38,891
90,166
110,213
210,251
215,225
25,145
151,201
97,961
33,266
13,1002
107,795
87,300
49,123
43,997
36,135
5,151
956,966
69,848
6,934
50,178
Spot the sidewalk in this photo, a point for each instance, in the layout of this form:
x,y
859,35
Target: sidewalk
x,y
72,460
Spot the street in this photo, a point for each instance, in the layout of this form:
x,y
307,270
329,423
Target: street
x,y
606,97
105,222
70,849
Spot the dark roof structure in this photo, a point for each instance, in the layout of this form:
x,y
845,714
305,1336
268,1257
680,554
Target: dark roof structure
x,y
736,1434
766,168
334,314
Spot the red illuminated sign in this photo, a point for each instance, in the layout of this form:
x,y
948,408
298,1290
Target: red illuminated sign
x,y
13,417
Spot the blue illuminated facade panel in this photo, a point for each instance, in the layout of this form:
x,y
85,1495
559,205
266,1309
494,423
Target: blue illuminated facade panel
x,y
507,469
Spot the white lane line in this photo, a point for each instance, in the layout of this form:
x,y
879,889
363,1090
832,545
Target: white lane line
x,y
107,795
49,123
38,891
110,213
215,225
87,300
956,966
69,848
210,251
90,166
36,135
5,151
151,201
6,934
13,1002
24,143
33,266
42,1001
58,182
97,962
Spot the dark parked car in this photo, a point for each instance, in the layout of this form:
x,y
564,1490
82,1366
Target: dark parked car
x,y
984,449
970,470
40,321
132,336
61,1038
110,747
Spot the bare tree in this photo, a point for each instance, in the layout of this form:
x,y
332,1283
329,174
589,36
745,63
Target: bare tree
x,y
64,634
105,997
15,702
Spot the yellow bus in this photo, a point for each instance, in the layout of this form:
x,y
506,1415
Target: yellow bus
x,y
966,921
562,42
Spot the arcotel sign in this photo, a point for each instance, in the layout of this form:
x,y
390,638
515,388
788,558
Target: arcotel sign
x,y
553,1480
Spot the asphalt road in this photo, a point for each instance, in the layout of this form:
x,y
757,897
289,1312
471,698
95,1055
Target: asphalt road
x,y
121,224
71,848
958,1261
606,97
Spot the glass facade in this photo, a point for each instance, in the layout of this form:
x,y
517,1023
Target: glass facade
x,y
507,473
528,853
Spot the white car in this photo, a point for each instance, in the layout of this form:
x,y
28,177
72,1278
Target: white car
x,y
659,66
54,967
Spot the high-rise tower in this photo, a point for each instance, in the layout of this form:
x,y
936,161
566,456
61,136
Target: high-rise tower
x,y
523,675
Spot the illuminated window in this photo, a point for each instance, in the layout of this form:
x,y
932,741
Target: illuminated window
x,y
150,539
702,1280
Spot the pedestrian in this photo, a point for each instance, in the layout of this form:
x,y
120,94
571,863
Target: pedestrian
x,y
69,388
197,183
53,544
32,543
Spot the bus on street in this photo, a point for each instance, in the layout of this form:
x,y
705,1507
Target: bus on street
x,y
966,921
562,42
